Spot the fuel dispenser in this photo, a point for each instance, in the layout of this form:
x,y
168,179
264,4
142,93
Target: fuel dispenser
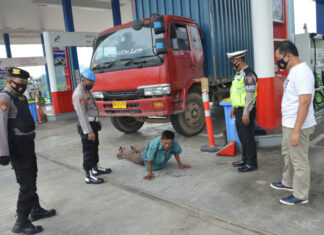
x,y
311,50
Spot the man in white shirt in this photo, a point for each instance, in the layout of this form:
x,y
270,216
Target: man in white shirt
x,y
298,123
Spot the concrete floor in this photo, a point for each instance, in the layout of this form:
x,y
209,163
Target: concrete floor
x,y
210,198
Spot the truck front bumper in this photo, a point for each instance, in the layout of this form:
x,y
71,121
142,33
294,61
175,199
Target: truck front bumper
x,y
160,106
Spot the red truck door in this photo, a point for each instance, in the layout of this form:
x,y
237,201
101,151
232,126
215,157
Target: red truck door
x,y
182,64
196,51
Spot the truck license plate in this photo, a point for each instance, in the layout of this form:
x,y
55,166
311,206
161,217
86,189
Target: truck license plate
x,y
119,105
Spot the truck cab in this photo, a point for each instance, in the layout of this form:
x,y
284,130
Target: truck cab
x,y
149,71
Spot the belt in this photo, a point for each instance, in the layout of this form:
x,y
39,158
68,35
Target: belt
x,y
93,119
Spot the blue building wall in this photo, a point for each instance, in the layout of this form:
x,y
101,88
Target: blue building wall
x,y
320,17
226,25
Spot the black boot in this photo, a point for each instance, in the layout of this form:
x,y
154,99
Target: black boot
x,y
91,179
97,170
23,225
37,212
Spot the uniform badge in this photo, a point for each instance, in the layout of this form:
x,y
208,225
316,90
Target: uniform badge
x,y
16,71
21,98
4,105
250,79
81,101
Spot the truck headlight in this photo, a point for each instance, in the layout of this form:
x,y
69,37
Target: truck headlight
x,y
156,90
98,95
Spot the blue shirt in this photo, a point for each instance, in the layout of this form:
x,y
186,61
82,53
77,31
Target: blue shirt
x,y
154,152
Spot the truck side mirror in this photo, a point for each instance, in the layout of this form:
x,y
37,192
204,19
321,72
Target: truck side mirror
x,y
159,25
201,34
161,46
137,24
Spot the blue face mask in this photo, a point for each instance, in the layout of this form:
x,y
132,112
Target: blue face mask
x,y
88,87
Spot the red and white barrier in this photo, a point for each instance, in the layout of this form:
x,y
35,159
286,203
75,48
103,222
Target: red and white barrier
x,y
38,110
210,132
205,97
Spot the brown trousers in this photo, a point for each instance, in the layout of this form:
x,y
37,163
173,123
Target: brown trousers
x,y
133,154
296,172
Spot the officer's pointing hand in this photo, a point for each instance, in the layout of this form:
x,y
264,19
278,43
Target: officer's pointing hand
x,y
246,120
92,136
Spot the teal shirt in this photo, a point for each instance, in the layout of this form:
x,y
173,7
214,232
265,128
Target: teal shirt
x,y
154,153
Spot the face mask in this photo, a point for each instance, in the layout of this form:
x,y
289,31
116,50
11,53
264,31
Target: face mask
x,y
235,66
88,87
20,88
282,64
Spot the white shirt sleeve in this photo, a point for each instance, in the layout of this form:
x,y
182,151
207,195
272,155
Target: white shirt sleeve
x,y
304,81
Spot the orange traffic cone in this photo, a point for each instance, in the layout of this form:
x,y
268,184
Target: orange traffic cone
x,y
228,150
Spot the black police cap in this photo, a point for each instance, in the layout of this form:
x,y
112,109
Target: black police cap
x,y
17,73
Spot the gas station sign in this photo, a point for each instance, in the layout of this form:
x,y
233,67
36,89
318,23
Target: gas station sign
x,y
22,62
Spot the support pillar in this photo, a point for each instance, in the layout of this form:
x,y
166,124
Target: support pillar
x,y
7,44
115,6
69,27
262,27
46,69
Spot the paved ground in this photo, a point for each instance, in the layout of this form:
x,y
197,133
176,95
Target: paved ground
x,y
210,198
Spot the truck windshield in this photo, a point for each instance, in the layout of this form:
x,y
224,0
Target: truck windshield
x,y
124,47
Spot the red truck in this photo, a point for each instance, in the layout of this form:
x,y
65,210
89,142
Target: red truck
x,y
149,71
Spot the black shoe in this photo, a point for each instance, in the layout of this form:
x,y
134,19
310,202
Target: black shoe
x,y
97,170
91,179
41,214
247,168
238,164
26,228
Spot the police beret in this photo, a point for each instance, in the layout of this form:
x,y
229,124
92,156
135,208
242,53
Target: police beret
x,y
235,55
17,73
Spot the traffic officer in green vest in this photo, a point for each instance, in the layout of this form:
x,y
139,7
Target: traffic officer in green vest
x,y
243,97
17,146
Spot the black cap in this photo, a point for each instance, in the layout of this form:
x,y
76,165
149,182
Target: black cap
x,y
17,73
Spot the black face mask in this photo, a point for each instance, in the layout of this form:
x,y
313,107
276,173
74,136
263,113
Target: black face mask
x,y
235,66
20,88
282,64
88,87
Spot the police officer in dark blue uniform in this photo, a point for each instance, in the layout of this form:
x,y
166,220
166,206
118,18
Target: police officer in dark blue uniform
x,y
17,134
88,127
243,97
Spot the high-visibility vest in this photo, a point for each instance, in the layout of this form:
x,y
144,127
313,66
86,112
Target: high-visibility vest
x,y
238,92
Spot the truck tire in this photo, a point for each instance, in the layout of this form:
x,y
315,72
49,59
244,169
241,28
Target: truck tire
x,y
126,124
192,120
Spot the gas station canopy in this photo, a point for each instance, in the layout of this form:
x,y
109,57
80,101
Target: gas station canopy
x,y
47,15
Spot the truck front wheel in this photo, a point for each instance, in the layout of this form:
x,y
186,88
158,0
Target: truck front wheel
x,y
192,120
126,124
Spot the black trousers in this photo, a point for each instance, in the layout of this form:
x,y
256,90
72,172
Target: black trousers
x,y
23,160
246,135
89,148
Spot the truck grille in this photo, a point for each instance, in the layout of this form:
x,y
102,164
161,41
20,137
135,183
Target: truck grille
x,y
123,95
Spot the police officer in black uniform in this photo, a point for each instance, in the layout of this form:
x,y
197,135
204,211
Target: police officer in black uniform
x,y
88,127
17,134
